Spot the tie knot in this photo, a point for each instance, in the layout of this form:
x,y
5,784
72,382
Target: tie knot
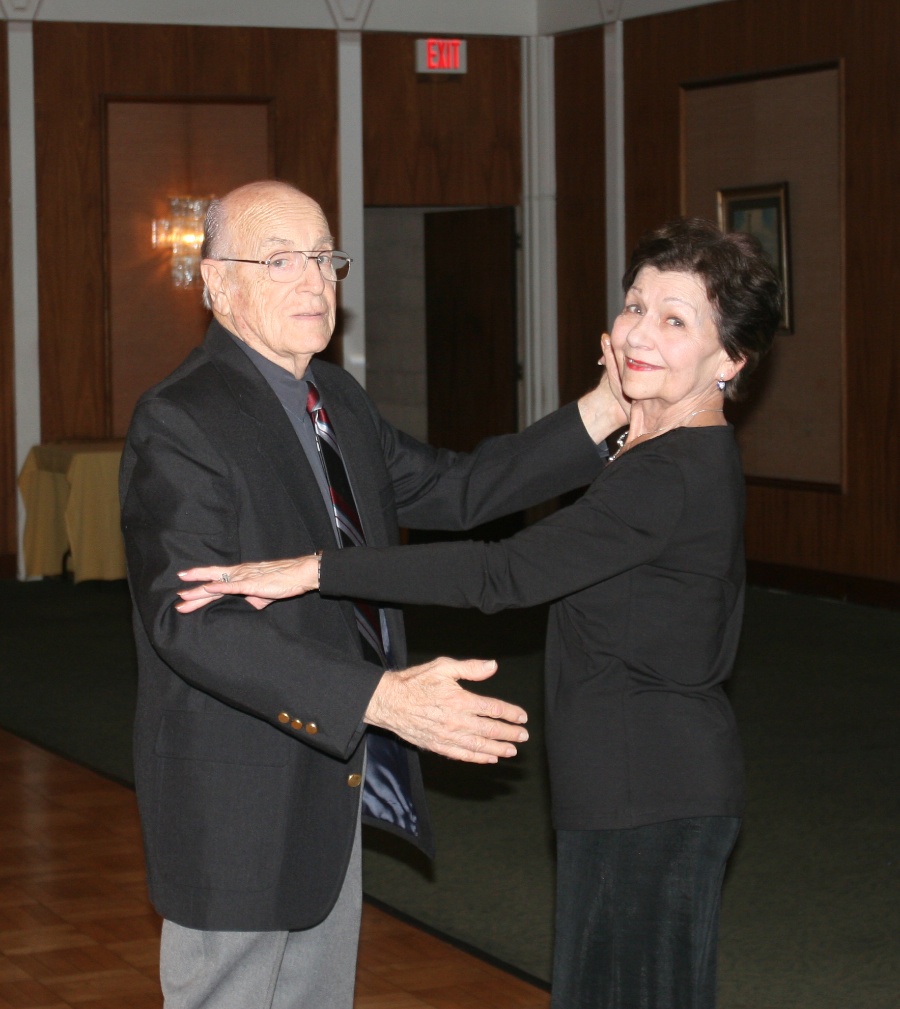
x,y
312,398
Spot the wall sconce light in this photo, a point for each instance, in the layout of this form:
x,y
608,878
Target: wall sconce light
x,y
182,233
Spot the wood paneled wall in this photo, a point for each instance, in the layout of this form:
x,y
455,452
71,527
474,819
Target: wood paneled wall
x,y
429,141
854,534
77,67
438,139
8,494
580,208
157,150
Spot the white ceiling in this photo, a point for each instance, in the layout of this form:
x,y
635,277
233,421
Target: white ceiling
x,y
472,17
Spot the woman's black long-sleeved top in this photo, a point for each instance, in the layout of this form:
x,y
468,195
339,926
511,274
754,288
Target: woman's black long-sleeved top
x,y
646,575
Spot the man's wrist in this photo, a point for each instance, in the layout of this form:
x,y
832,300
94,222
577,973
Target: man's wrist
x,y
375,713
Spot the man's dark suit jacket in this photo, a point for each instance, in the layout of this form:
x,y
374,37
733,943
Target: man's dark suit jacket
x,y
249,723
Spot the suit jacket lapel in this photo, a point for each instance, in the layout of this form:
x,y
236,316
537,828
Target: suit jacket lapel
x,y
354,438
287,462
278,445
276,440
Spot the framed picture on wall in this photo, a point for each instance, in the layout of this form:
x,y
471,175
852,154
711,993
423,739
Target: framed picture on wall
x,y
762,211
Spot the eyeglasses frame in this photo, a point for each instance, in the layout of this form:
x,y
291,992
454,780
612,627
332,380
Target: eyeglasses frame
x,y
308,255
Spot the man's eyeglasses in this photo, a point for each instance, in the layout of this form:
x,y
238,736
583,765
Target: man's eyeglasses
x,y
286,267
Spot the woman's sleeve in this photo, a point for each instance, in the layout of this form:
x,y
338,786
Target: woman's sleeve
x,y
439,489
624,519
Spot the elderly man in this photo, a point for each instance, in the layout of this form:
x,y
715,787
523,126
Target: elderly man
x,y
263,738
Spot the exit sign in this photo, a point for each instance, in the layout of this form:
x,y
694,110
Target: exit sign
x,y
440,56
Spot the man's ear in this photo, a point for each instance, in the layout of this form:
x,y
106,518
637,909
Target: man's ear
x,y
216,285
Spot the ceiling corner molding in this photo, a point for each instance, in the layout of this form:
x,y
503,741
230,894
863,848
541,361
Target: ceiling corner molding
x,y
349,15
555,16
20,10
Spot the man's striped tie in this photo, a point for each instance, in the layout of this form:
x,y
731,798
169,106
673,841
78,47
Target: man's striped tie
x,y
387,794
346,518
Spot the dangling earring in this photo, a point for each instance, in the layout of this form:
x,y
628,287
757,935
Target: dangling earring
x,y
720,384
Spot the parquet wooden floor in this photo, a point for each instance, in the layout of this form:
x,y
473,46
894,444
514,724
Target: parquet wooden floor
x,y
77,931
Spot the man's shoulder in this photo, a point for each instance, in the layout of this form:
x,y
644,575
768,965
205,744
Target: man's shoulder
x,y
335,382
204,369
333,375
195,367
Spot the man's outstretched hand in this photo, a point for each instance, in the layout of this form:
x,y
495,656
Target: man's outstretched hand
x,y
426,706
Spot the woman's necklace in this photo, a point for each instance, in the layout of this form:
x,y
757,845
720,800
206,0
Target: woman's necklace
x,y
620,441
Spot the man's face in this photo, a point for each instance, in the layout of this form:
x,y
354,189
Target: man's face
x,y
285,322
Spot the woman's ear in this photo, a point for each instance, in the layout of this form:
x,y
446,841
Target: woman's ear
x,y
730,368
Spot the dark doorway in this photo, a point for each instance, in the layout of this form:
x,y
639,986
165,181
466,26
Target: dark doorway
x,y
471,315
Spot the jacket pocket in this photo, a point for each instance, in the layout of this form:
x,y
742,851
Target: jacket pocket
x,y
220,803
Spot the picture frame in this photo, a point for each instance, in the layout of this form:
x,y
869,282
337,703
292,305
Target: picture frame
x,y
762,211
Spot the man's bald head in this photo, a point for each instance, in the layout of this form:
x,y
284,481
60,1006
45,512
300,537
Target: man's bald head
x,y
245,229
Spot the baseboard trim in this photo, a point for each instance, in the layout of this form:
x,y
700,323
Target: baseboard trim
x,y
460,944
849,588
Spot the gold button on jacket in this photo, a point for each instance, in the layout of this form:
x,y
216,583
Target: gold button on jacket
x,y
354,780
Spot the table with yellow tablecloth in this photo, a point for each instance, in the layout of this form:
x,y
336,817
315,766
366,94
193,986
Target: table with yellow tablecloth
x,y
70,492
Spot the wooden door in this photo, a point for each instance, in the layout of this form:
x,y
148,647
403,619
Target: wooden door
x,y
471,344
470,314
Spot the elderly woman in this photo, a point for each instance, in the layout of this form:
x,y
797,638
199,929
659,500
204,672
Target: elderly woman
x,y
646,576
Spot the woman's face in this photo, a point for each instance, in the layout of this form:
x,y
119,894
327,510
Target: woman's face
x,y
666,341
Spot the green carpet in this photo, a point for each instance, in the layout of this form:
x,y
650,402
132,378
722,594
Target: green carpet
x,y
811,917
68,672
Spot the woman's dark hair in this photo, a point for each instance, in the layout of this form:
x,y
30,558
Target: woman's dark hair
x,y
741,284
